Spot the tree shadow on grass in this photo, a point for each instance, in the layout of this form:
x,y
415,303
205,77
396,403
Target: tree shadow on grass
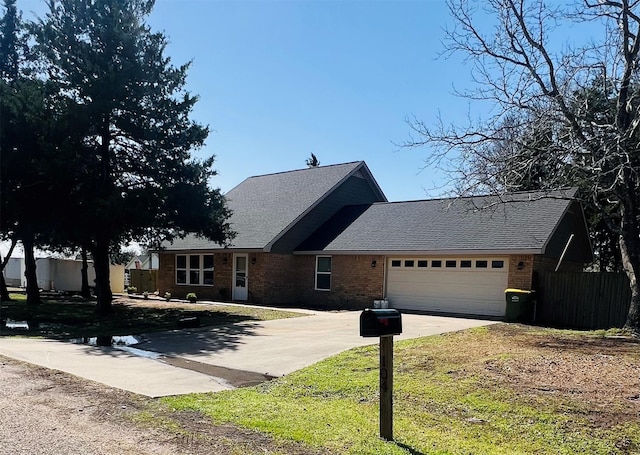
x,y
66,320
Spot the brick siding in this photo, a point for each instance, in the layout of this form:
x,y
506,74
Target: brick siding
x,y
284,279
272,279
290,280
354,283
221,289
520,277
532,267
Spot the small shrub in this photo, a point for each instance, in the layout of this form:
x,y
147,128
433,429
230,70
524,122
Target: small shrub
x,y
191,297
167,296
132,290
145,294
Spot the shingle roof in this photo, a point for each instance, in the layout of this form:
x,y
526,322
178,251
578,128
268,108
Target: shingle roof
x,y
521,221
264,206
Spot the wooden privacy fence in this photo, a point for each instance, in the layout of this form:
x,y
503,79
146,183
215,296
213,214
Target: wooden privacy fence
x,y
583,300
143,279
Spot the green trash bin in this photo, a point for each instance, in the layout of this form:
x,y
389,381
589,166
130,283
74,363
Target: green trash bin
x,y
520,305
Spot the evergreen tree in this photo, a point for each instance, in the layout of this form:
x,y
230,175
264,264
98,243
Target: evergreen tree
x,y
134,175
25,147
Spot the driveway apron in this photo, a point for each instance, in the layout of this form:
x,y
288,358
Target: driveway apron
x,y
269,348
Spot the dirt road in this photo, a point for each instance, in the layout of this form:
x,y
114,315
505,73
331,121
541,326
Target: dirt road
x,y
44,411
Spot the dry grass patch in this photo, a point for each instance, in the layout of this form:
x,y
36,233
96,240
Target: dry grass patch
x,y
599,375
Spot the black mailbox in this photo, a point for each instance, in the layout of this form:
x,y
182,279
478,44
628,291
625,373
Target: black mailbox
x,y
379,322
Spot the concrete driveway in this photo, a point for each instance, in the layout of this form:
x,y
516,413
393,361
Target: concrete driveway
x,y
210,359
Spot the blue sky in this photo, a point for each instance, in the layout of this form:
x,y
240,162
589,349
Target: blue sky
x,y
279,80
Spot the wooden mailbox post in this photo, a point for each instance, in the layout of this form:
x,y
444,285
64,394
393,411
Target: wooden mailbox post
x,y
383,323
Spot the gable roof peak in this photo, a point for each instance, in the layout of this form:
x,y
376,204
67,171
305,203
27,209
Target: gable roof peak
x,y
266,208
308,169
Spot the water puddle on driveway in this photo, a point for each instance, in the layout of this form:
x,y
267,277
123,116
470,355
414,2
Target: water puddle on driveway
x,y
11,324
122,343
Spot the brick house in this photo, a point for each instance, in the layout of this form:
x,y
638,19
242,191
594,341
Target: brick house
x,y
328,237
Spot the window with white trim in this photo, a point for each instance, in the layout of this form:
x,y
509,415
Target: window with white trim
x,y
323,273
194,269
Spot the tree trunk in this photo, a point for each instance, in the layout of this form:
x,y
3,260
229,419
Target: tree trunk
x,y
100,254
633,316
100,251
4,292
630,253
33,291
84,271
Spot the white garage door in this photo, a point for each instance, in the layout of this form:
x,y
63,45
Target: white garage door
x,y
451,285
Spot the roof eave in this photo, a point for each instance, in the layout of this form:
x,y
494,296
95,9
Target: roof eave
x,y
452,252
214,250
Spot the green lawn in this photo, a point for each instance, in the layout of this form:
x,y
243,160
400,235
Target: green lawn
x,y
483,391
74,317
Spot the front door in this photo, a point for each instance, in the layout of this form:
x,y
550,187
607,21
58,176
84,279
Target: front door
x,y
240,290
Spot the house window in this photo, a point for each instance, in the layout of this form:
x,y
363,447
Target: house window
x,y
422,264
207,269
497,264
409,263
481,264
465,264
323,273
396,263
181,269
450,264
194,269
437,264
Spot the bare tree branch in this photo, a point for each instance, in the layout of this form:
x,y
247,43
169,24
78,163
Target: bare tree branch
x,y
568,117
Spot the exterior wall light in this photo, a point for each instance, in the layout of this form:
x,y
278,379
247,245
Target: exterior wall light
x,y
373,263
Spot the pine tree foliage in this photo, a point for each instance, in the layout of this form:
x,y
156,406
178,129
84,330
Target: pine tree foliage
x,y
119,138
